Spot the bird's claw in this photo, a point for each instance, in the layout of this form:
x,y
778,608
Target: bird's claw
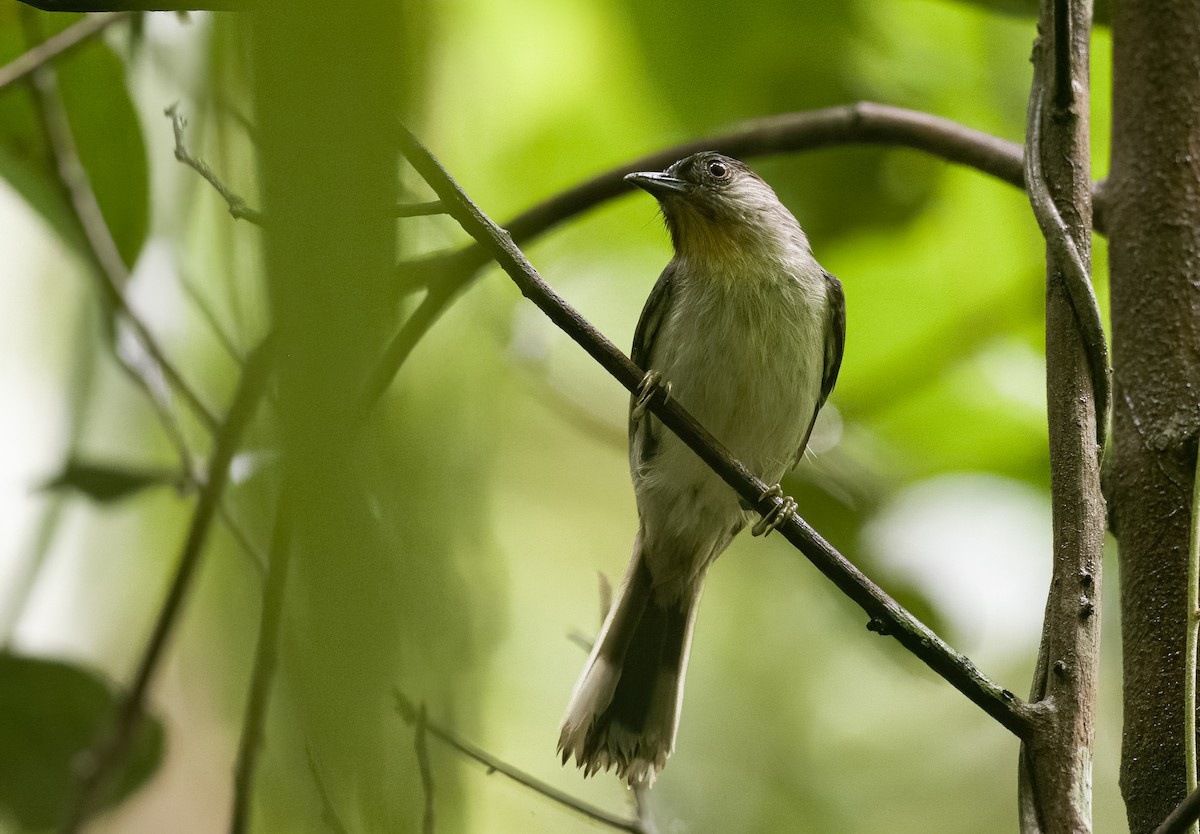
x,y
650,383
776,517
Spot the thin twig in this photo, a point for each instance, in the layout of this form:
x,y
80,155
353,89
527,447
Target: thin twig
x,y
237,206
1193,636
437,299
421,746
1075,273
57,46
102,250
243,541
887,616
329,814
99,766
410,712
210,318
266,658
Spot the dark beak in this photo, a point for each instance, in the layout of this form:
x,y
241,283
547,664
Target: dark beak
x,y
658,183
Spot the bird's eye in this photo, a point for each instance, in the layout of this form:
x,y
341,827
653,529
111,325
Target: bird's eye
x,y
718,170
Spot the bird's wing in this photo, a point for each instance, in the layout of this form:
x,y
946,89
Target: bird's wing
x,y
643,435
835,336
835,344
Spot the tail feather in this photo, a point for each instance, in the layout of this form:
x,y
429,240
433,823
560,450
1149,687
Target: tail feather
x,y
624,711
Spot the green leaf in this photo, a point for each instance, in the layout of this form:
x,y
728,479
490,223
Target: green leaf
x,y
50,713
107,134
106,483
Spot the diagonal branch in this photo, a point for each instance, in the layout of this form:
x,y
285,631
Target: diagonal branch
x,y
412,714
887,616
110,749
266,659
57,46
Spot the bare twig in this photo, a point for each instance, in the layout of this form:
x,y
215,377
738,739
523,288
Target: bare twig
x,y
437,298
887,616
55,47
106,754
243,541
410,712
421,746
266,658
237,206
210,318
102,250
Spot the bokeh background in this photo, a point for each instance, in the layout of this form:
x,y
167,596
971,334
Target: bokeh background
x,y
504,489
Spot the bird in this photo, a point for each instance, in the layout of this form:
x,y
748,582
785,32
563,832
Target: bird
x,y
745,330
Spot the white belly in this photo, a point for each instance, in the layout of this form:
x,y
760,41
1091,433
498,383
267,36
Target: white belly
x,y
748,366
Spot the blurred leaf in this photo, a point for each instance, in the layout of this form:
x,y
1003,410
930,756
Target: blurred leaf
x,y
107,134
105,483
50,713
776,58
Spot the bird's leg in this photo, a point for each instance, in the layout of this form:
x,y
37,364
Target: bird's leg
x,y
650,383
776,517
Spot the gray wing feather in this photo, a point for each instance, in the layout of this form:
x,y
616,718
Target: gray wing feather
x,y
643,436
835,335
835,344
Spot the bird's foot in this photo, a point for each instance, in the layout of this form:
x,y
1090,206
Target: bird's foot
x,y
776,517
650,383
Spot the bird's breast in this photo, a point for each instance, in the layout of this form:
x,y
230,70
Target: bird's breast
x,y
745,354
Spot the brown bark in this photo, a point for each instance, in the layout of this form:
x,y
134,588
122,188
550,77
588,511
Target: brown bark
x,y
1056,758
1155,265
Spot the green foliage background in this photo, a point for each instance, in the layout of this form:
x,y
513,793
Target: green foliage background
x,y
494,485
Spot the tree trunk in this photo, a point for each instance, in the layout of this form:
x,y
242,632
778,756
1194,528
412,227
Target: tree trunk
x,y
1154,228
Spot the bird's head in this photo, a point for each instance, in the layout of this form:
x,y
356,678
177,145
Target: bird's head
x,y
716,207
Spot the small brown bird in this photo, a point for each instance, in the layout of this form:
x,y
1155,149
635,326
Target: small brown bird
x,y
745,329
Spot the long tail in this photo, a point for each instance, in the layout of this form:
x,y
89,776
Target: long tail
x,y
625,708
